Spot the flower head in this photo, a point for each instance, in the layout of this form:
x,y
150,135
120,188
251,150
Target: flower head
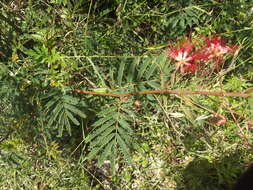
x,y
182,54
216,48
184,57
187,54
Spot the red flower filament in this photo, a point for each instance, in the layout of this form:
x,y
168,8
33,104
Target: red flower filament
x,y
183,57
213,49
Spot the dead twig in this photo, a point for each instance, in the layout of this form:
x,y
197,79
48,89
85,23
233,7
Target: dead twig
x,y
165,91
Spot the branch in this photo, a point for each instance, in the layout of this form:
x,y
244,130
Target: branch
x,y
232,94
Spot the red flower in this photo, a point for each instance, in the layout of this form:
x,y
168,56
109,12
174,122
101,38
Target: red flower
x,y
213,49
216,48
184,57
182,54
191,68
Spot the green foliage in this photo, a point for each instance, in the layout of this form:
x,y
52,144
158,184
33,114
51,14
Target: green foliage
x,y
27,166
50,47
62,110
114,133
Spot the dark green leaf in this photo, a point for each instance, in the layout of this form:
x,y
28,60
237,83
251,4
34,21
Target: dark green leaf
x,y
70,100
74,110
151,71
124,149
143,66
106,111
120,73
72,118
131,72
99,130
103,120
101,138
105,153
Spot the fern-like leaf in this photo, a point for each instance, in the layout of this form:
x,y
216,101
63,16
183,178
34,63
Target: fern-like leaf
x,y
113,132
62,111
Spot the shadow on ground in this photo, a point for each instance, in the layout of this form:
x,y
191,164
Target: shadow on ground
x,y
201,174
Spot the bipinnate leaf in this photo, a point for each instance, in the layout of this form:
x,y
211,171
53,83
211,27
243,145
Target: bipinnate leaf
x,y
62,112
113,131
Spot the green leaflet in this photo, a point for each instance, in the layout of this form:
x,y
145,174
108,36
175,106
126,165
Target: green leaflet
x,y
100,138
154,85
159,46
175,21
51,103
113,156
147,61
103,120
125,134
151,70
71,100
141,87
55,113
131,71
75,110
120,73
107,111
100,90
111,74
124,149
93,152
67,125
182,23
60,124
195,20
72,118
106,140
97,72
162,59
127,111
125,125
105,153
99,131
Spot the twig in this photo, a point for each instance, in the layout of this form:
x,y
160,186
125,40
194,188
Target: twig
x,y
232,94
248,90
